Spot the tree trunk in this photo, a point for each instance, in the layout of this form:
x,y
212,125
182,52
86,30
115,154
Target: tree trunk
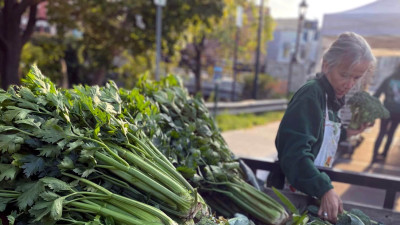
x,y
12,38
199,48
64,72
10,63
71,60
99,76
197,72
10,67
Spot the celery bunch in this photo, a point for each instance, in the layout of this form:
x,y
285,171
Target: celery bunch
x,y
101,167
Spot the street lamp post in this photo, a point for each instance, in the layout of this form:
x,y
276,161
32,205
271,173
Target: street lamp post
x,y
257,69
159,4
302,12
239,12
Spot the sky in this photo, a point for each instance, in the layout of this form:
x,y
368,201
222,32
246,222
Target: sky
x,y
316,8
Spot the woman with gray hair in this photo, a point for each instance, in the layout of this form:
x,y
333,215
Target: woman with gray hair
x,y
310,130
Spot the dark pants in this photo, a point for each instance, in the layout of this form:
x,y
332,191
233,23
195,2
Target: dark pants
x,y
388,127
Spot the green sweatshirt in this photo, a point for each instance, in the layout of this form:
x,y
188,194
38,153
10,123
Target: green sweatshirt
x,y
301,133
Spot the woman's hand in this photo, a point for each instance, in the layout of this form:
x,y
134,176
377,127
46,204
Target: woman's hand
x,y
331,205
351,132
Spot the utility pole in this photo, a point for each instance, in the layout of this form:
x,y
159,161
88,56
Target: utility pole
x,y
293,59
257,66
159,4
239,11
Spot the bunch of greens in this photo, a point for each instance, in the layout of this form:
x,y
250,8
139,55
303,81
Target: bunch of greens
x,y
72,156
365,109
310,215
185,132
351,217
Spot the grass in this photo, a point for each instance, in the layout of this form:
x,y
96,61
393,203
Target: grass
x,y
233,122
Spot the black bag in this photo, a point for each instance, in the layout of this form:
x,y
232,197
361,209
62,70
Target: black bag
x,y
276,177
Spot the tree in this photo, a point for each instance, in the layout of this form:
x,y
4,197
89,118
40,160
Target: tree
x,y
13,37
192,55
196,40
225,31
220,37
48,53
112,27
108,28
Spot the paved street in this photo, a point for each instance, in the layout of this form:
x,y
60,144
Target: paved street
x,y
258,142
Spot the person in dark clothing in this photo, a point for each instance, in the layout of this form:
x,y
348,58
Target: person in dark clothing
x,y
310,130
390,87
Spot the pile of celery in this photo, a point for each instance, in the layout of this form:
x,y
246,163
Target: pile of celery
x,y
73,157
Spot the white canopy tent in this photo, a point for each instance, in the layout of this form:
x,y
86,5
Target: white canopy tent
x,y
378,22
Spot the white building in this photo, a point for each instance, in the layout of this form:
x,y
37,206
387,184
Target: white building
x,y
281,48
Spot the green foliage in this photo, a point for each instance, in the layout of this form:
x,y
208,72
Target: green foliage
x,y
186,133
74,155
45,51
206,47
227,121
268,87
213,221
296,217
110,28
225,31
352,217
286,201
83,156
206,221
128,72
365,109
188,121
361,215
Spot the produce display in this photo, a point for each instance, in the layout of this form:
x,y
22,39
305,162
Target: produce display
x,y
365,109
309,216
186,133
104,155
351,217
72,157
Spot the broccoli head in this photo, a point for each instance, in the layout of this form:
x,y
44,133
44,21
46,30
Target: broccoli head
x,y
360,214
206,221
365,109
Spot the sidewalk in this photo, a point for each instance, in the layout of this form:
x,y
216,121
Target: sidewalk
x,y
259,142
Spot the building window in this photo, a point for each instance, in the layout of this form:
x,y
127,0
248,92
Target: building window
x,y
316,36
303,52
305,36
286,50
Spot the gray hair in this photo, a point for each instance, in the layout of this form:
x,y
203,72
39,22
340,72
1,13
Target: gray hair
x,y
350,47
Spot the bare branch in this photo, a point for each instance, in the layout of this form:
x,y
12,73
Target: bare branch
x,y
25,4
31,24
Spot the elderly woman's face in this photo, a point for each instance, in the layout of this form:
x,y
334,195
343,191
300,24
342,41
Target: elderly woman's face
x,y
343,78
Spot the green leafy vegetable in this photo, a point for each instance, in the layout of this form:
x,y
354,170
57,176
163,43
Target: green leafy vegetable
x,y
365,109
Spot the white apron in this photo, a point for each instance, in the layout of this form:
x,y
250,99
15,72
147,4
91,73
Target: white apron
x,y
329,144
